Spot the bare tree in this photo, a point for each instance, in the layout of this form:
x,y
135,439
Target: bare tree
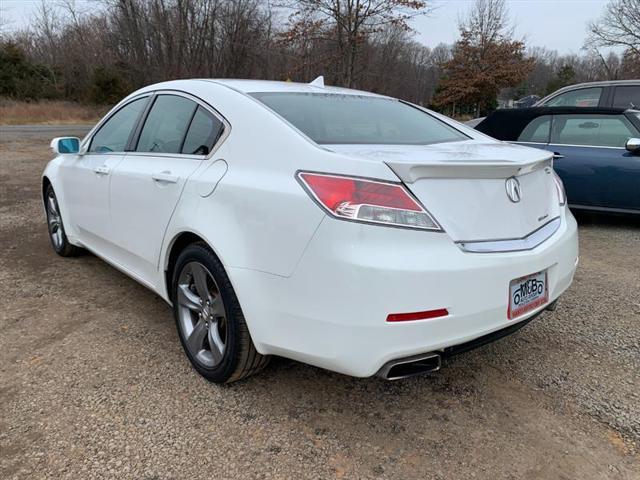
x,y
347,23
489,20
618,26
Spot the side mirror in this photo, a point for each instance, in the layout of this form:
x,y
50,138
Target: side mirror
x,y
65,145
633,145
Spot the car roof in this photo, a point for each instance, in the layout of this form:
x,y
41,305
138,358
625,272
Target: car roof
x,y
507,124
602,83
578,86
272,86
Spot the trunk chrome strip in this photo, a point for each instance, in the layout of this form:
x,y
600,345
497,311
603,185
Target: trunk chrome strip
x,y
528,242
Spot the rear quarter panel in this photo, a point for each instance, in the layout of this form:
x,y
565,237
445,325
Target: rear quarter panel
x,y
258,217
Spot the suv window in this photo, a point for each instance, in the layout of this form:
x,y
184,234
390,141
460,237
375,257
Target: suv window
x,y
594,130
204,131
627,96
537,130
166,125
583,97
114,133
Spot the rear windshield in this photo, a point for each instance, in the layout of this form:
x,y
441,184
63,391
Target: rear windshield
x,y
354,119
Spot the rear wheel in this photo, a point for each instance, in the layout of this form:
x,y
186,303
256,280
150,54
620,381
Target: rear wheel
x,y
57,235
210,322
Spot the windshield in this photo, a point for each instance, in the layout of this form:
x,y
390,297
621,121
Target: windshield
x,y
354,119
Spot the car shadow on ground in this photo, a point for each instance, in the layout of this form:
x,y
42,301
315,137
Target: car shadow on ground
x,y
598,219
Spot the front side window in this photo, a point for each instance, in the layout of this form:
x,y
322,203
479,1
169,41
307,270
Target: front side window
x,y
204,132
583,97
537,131
592,130
355,119
114,134
627,96
166,125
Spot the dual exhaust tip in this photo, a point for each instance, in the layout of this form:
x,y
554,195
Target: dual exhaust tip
x,y
410,366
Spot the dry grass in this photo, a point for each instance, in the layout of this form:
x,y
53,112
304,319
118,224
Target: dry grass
x,y
48,112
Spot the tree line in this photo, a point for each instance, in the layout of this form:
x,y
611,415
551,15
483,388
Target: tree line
x,y
100,54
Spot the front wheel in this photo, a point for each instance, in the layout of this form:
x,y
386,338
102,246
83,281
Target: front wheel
x,y
57,235
210,322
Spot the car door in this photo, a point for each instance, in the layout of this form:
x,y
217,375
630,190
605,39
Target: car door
x,y
591,159
176,137
537,134
86,177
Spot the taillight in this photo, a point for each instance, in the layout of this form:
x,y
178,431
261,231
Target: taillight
x,y
562,194
371,201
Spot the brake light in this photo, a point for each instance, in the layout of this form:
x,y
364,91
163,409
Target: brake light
x,y
371,201
562,194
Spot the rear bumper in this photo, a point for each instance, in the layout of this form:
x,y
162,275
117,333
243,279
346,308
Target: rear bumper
x,y
332,311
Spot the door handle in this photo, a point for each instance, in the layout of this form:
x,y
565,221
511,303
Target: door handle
x,y
557,156
102,170
164,177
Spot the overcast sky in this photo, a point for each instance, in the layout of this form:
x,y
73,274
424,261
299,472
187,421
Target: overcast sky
x,y
557,25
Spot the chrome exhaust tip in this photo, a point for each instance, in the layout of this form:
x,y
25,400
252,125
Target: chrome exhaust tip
x,y
410,366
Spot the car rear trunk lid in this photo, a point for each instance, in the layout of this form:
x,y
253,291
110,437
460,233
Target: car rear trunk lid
x,y
465,185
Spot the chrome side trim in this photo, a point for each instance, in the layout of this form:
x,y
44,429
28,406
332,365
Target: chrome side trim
x,y
565,145
529,242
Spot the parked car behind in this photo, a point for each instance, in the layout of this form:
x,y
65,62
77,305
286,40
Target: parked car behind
x,y
614,93
596,150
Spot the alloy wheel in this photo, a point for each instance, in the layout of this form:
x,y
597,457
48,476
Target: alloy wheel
x,y
55,221
201,315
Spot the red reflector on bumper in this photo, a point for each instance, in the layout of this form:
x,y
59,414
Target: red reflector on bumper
x,y
407,317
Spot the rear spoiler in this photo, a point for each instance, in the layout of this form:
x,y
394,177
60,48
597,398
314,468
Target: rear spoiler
x,y
410,172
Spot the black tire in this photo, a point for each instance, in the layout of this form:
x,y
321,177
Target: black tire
x,y
55,227
240,358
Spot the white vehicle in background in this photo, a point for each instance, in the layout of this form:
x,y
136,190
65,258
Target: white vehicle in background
x,y
347,230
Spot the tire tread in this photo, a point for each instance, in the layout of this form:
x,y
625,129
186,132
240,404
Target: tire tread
x,y
248,360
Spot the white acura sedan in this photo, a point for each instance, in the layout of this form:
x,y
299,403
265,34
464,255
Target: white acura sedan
x,y
347,230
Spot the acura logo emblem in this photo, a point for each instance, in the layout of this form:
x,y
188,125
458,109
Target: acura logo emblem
x,y
514,192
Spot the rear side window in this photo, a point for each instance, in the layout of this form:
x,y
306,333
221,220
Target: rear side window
x,y
166,125
204,131
354,119
627,96
583,97
537,130
592,130
114,133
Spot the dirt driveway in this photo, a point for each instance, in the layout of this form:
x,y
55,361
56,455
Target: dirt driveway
x,y
93,382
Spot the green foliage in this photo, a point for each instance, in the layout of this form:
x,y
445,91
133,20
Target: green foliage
x,y
564,76
108,86
21,79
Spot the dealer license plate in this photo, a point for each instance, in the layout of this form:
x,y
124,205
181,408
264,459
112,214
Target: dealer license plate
x,y
527,294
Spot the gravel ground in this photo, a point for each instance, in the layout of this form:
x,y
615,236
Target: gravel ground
x,y
93,382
